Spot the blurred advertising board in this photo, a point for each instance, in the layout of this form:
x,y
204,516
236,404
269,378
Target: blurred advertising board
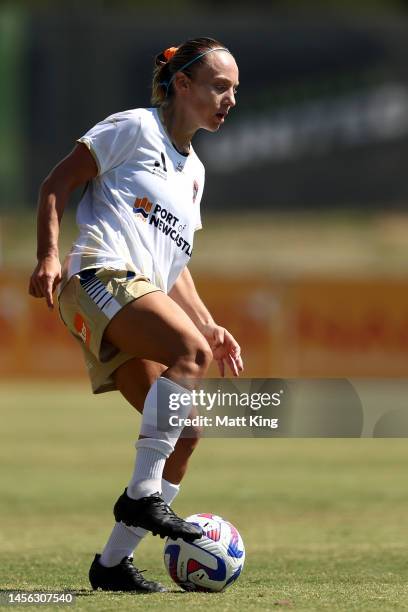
x,y
287,328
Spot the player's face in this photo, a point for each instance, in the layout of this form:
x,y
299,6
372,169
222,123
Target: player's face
x,y
212,90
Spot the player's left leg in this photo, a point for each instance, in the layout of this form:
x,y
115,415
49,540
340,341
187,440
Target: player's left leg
x,y
112,569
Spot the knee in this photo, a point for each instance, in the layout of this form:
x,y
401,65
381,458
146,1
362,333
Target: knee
x,y
203,357
195,359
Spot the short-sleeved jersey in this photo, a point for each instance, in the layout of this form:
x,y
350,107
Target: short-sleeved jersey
x,y
142,209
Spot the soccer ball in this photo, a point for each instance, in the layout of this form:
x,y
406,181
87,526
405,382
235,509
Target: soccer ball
x,y
211,563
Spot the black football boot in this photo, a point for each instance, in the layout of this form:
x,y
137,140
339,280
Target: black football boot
x,y
152,513
122,577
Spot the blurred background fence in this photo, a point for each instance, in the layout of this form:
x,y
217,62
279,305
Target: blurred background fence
x,y
320,131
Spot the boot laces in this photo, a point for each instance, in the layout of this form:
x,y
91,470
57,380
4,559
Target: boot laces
x,y
132,570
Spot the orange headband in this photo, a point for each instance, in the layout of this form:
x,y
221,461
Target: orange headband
x,y
168,53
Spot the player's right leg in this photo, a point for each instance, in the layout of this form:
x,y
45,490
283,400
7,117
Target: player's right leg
x,y
154,327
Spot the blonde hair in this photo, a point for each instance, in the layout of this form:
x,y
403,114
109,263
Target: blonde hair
x,y
165,69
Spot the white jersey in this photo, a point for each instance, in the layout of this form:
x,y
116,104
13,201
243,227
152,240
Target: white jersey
x,y
141,211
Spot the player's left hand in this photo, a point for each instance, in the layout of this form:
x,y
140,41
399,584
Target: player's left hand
x,y
225,348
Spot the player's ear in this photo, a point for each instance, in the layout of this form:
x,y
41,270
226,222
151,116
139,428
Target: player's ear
x,y
181,82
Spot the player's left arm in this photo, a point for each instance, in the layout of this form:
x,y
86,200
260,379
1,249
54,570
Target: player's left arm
x,y
223,345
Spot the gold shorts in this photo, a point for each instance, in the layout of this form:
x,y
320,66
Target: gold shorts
x,y
87,303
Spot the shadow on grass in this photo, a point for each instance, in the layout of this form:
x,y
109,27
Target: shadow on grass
x,y
87,593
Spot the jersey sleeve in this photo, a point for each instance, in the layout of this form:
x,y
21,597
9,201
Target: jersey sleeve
x,y
113,140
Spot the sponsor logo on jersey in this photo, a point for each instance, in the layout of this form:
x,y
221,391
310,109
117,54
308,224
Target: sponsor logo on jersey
x,y
164,220
142,207
170,225
195,190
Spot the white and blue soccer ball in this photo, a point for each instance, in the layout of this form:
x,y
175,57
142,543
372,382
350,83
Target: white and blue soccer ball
x,y
211,563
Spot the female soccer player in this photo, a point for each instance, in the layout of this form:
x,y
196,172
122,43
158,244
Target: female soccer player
x,y
125,290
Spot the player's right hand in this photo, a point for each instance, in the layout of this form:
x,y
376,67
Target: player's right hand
x,y
45,278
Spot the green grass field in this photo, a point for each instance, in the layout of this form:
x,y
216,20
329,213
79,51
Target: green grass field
x,y
324,521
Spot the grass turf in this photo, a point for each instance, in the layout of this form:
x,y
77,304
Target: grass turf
x,y
324,521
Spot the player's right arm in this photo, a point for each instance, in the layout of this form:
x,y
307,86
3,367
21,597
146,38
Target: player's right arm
x,y
74,170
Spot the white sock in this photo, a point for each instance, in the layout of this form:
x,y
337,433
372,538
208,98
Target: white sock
x,y
147,475
124,540
160,435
